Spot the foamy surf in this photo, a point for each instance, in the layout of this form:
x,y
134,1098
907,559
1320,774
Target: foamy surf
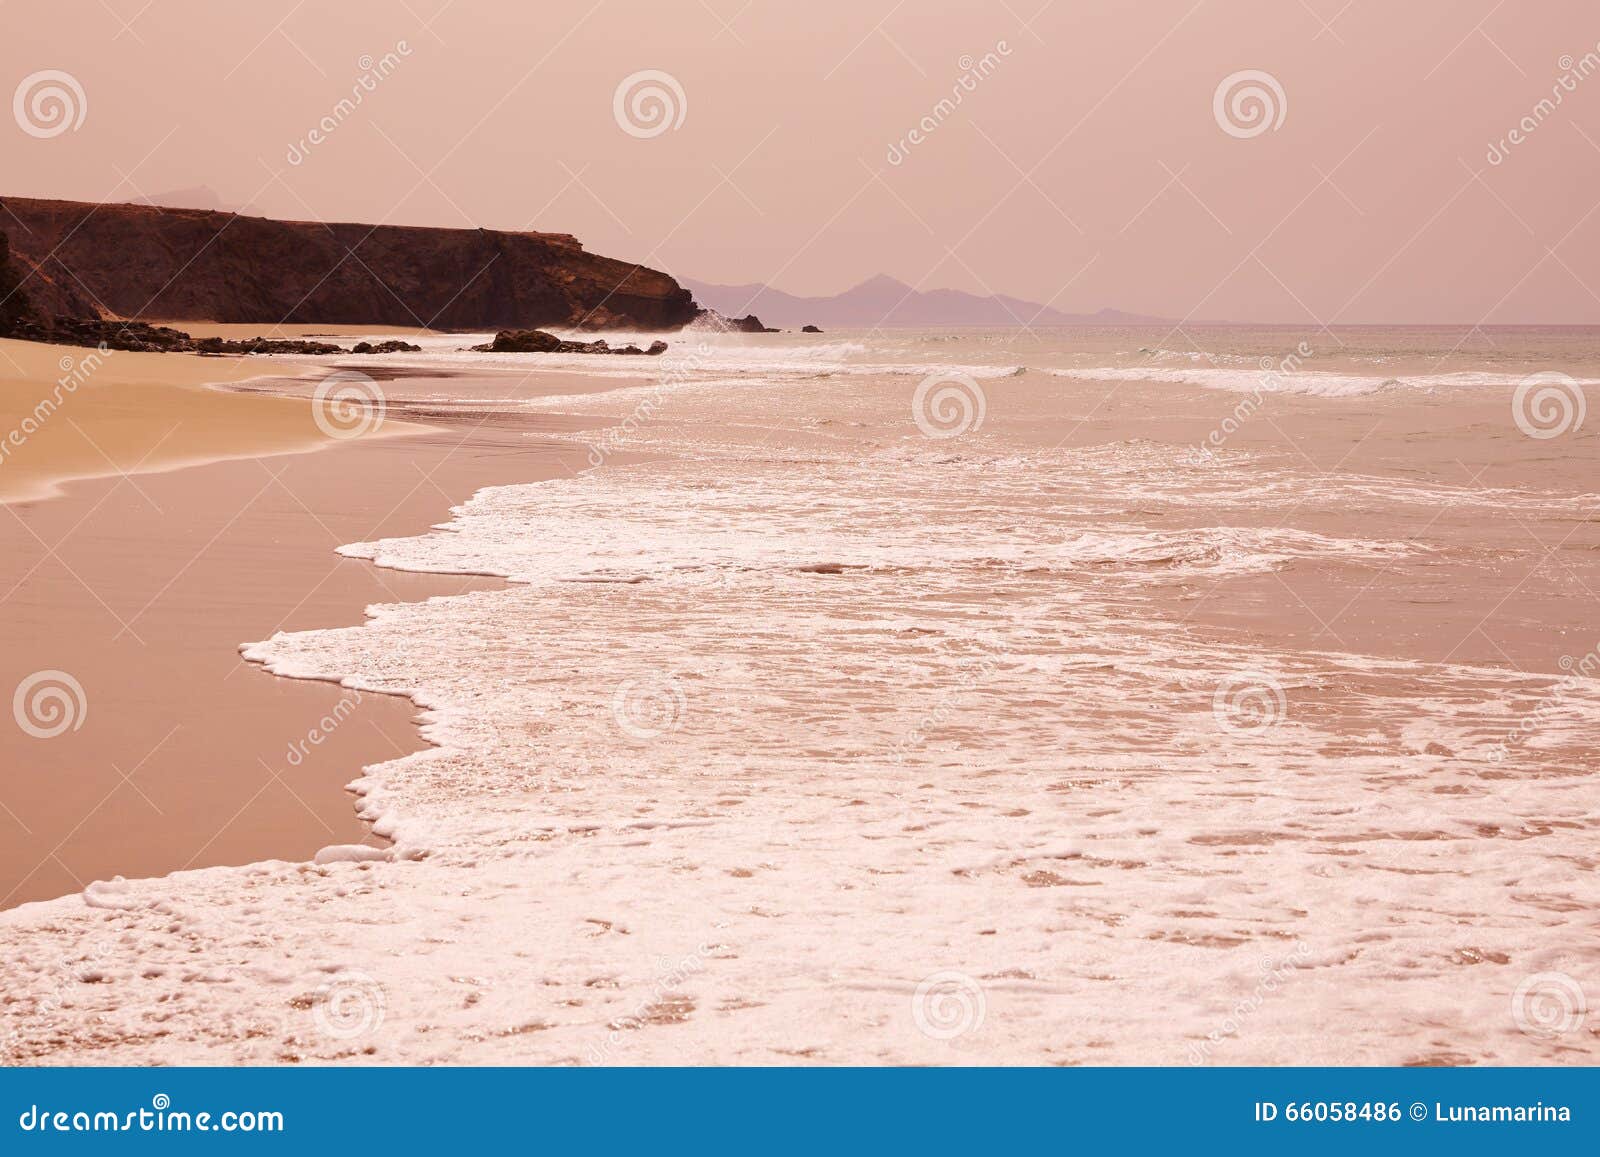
x,y
1312,383
1047,716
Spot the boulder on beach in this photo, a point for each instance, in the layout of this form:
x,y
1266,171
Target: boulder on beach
x,y
537,341
522,341
265,345
385,347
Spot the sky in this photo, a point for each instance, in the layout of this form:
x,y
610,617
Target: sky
x,y
1087,163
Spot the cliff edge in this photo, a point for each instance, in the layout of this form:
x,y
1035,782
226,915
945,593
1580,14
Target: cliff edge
x,y
142,262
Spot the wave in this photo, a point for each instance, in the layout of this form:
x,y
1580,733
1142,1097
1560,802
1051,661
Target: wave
x,y
808,653
691,353
1314,383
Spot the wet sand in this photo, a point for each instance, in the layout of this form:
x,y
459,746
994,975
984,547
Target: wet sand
x,y
1066,741
67,412
143,588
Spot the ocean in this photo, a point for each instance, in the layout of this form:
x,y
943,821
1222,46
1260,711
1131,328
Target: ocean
x,y
1216,696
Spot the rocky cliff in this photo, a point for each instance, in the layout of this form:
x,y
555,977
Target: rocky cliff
x,y
14,304
144,262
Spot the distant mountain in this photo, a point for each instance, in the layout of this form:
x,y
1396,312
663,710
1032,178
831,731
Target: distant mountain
x,y
195,197
884,301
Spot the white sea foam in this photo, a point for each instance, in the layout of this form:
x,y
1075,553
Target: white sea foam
x,y
768,731
708,353
1315,383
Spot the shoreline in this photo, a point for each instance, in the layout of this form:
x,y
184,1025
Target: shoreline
x,y
165,576
71,413
580,888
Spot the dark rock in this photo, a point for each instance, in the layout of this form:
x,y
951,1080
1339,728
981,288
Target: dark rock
x,y
809,329
21,317
522,341
111,335
141,261
14,304
537,341
32,309
263,345
31,295
385,347
750,323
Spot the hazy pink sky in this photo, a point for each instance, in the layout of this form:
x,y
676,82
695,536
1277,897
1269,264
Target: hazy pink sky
x,y
1087,169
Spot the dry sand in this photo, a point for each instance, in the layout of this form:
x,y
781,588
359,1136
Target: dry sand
x,y
1005,769
67,412
143,586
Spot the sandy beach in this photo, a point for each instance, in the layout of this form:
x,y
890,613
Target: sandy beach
x,y
143,586
1043,549
800,734
82,413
